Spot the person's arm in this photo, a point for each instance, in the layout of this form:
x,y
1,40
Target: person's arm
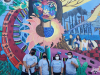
x,y
51,70
62,71
34,63
24,63
62,65
40,66
74,64
65,69
40,70
26,67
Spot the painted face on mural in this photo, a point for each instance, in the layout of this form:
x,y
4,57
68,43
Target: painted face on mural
x,y
45,9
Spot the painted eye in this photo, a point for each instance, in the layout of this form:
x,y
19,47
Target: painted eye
x,y
51,5
37,4
7,0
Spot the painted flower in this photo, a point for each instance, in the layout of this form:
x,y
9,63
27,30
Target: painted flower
x,y
34,38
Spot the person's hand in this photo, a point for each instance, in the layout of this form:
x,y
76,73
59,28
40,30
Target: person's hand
x,y
52,74
28,66
72,62
27,70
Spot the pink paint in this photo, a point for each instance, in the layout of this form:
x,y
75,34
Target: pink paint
x,y
81,57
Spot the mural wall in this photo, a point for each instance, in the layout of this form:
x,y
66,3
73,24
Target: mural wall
x,y
51,26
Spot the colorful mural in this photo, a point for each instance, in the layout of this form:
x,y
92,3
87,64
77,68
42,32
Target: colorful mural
x,y
51,26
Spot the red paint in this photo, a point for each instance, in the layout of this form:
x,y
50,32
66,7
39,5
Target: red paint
x,y
3,57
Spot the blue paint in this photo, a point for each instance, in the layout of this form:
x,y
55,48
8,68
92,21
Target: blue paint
x,y
48,31
87,37
2,52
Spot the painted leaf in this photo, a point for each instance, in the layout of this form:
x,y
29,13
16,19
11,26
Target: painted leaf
x,y
18,1
23,6
11,8
16,4
3,9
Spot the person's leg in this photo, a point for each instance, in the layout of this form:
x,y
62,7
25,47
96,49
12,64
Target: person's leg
x,y
82,49
85,49
74,46
78,45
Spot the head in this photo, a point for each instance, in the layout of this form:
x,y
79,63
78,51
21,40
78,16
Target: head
x,y
70,55
84,40
46,10
77,36
32,52
89,41
71,36
44,55
57,57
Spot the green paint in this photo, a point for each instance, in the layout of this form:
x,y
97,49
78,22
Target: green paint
x,y
2,9
21,15
16,31
81,70
16,26
1,3
17,43
7,69
36,11
48,53
11,8
0,28
23,6
25,49
18,21
18,1
0,33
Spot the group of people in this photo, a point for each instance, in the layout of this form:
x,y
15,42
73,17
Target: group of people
x,y
57,65
86,45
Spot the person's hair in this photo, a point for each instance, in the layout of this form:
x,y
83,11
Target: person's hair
x,y
78,39
55,56
59,9
85,38
90,40
70,53
46,58
33,50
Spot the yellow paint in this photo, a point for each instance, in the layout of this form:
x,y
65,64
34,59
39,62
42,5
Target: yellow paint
x,y
71,4
95,14
19,7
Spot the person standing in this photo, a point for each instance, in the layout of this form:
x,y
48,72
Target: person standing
x,y
71,65
85,45
44,65
57,66
29,63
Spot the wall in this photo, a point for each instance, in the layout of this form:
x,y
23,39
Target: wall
x,y
51,28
